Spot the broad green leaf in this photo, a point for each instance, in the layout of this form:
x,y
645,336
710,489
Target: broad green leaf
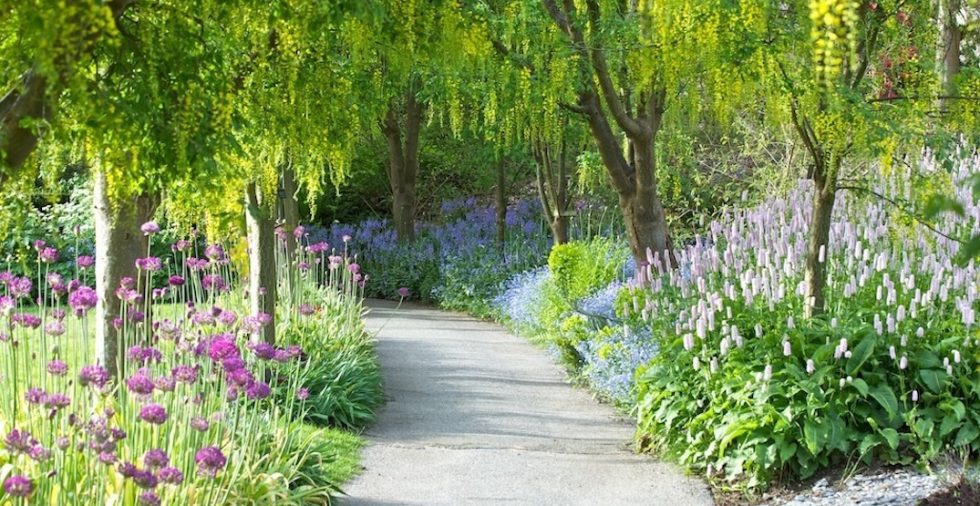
x,y
891,437
786,451
950,423
886,398
860,385
932,378
861,353
868,443
967,434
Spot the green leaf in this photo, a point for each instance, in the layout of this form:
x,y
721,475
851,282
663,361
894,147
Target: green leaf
x,y
967,434
835,432
932,378
814,435
861,353
923,427
786,451
969,250
942,204
891,437
950,423
886,397
869,443
926,359
860,385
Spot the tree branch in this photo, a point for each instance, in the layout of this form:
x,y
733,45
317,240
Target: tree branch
x,y
901,208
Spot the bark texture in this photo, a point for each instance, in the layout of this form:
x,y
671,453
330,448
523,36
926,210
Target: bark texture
x,y
403,161
551,175
638,113
26,102
262,282
290,208
118,243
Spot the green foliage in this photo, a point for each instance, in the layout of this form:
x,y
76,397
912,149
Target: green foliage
x,y
341,373
578,269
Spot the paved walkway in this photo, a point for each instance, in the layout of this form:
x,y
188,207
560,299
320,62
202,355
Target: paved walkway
x,y
478,416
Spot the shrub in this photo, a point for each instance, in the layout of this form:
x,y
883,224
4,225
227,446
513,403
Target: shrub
x,y
745,389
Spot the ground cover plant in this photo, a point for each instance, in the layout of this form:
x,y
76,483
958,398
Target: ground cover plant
x,y
745,389
200,412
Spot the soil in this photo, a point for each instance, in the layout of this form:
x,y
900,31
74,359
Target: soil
x,y
963,492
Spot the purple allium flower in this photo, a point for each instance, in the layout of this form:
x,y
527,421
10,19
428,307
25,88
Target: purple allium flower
x,y
155,458
58,314
214,282
299,231
39,453
354,268
73,285
35,395
165,383
305,309
176,280
302,394
7,304
227,317
196,264
19,441
214,252
232,364
403,292
107,458
39,244
62,443
240,377
185,374
95,375
209,460
145,479
282,356
264,351
149,498
140,383
223,347
57,401
82,300
128,469
149,227
257,391
153,413
26,320
85,261
18,486
20,287
180,245
149,264
127,282
303,266
170,475
48,255
318,247
199,424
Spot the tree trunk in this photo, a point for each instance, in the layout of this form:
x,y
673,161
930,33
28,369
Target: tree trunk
x,y
17,141
403,163
552,188
639,200
290,209
818,246
262,281
118,243
952,35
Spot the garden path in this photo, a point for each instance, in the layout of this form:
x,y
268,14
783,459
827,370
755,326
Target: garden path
x,y
478,416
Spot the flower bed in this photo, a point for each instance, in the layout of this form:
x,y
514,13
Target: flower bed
x,y
200,413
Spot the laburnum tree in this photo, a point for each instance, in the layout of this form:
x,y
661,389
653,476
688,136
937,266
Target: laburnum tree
x,y
421,50
137,91
621,71
858,82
